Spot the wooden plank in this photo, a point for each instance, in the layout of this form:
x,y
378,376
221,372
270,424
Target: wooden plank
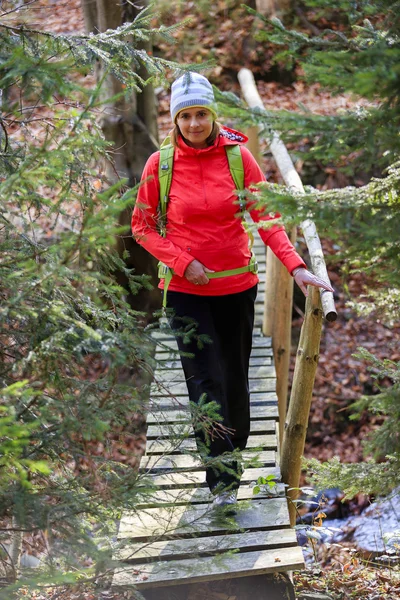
x,y
185,429
180,479
199,495
186,521
262,351
208,568
169,402
177,375
169,342
183,549
186,462
180,389
179,445
255,361
263,342
183,416
167,335
170,354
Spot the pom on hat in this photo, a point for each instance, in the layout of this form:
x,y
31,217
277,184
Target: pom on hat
x,y
191,90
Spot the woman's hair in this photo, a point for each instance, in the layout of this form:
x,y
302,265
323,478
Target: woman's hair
x,y
176,133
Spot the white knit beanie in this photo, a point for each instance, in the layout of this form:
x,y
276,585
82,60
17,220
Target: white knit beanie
x,y
191,90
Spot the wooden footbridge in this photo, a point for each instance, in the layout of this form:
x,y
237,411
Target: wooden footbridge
x,y
175,536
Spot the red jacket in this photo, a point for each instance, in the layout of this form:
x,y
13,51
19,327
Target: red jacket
x,y
202,219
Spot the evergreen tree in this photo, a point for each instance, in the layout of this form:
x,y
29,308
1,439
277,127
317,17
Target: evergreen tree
x,y
358,56
75,361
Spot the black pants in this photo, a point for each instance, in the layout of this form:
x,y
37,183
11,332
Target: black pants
x,y
220,344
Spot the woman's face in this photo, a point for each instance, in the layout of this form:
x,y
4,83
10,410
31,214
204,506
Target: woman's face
x,y
195,125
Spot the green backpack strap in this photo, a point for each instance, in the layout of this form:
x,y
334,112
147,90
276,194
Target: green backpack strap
x,y
236,168
235,161
165,178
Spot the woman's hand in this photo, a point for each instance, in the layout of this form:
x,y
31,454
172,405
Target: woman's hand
x,y
196,273
303,278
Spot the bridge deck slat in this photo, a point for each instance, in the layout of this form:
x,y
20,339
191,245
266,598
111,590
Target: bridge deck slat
x,y
182,402
165,354
177,376
187,462
178,549
198,495
182,416
180,389
175,365
186,430
179,445
187,521
187,479
208,569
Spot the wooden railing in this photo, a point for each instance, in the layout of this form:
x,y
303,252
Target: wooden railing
x,y
277,318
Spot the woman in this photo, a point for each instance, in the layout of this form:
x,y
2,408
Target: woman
x,y
204,235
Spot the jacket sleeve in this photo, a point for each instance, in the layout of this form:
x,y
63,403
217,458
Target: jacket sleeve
x,y
144,221
275,237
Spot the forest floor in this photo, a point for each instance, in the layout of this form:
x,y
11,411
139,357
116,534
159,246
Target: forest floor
x,y
222,33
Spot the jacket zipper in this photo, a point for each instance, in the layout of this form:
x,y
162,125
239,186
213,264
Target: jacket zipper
x,y
202,182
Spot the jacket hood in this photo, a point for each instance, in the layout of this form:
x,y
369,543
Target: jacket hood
x,y
229,137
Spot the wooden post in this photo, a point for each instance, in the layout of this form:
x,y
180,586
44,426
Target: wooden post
x,y
277,324
254,144
300,398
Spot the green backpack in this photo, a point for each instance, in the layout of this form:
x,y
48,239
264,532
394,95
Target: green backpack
x,y
235,162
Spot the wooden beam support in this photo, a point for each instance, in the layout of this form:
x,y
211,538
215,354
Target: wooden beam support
x,y
300,399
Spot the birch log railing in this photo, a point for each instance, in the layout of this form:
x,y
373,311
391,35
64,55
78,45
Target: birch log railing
x,y
277,320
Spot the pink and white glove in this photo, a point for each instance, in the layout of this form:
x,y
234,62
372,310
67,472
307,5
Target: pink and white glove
x,y
303,278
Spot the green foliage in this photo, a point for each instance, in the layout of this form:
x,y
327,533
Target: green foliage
x,y
380,473
364,224
358,57
264,483
368,477
386,439
75,361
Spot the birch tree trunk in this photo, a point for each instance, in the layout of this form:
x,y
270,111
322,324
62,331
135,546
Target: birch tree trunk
x,y
15,549
130,123
274,8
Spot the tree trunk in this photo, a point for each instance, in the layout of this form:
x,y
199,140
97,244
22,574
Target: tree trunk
x,y
16,548
130,123
89,9
274,8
